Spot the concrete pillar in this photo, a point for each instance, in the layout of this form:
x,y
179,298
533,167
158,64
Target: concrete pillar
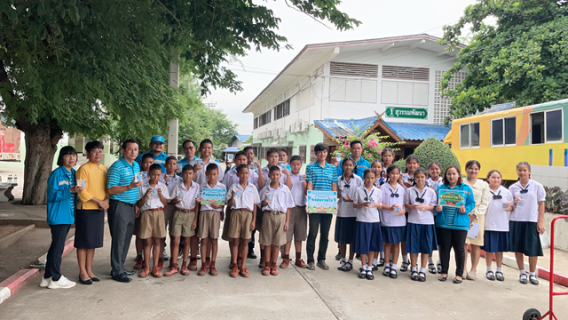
x,y
173,124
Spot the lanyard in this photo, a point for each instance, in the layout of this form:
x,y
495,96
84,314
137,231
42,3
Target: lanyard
x,y
367,196
497,196
395,194
420,198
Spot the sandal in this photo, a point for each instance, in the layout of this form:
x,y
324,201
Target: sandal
x,y
386,272
414,276
490,275
347,266
439,267
393,274
421,277
381,263
431,268
404,266
499,276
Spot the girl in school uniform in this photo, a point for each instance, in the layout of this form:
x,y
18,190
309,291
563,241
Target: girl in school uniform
x,y
387,157
368,241
345,227
407,181
526,221
434,181
393,220
420,231
452,223
378,166
496,237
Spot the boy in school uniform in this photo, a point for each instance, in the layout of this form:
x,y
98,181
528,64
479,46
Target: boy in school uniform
x,y
147,161
298,220
152,198
205,151
209,222
184,221
242,197
276,203
320,176
170,179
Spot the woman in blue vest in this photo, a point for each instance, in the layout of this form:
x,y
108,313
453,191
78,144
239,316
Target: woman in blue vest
x,y
61,198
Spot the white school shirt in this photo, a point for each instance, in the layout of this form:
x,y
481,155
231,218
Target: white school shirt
x,y
153,201
171,185
267,180
188,195
200,176
430,199
391,218
367,214
298,189
206,207
496,218
281,198
345,209
247,199
231,178
535,194
434,184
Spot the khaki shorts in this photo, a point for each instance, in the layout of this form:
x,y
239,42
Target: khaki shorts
x,y
181,223
226,223
209,224
272,233
169,211
239,227
297,224
152,224
479,240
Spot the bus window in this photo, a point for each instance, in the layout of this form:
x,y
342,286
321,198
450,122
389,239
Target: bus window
x,y
554,125
469,135
537,128
497,132
510,131
474,135
464,136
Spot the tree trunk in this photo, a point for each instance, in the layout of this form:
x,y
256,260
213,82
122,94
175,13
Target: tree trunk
x,y
41,145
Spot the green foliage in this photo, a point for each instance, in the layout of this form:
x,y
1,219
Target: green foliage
x,y
402,164
524,58
433,149
372,145
556,200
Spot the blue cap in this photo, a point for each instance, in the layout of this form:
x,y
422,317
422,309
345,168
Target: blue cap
x,y
157,139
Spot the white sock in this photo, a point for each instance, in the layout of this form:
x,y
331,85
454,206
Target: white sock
x,y
393,266
368,268
375,261
489,269
382,255
351,261
430,260
523,273
387,265
405,258
423,270
532,274
439,261
343,260
414,269
499,269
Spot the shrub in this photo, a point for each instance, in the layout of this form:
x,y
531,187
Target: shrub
x,y
433,149
556,200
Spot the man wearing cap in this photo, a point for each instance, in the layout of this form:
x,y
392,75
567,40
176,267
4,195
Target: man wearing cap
x,y
156,148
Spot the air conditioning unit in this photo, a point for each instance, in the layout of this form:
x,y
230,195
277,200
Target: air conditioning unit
x,y
303,126
292,128
274,133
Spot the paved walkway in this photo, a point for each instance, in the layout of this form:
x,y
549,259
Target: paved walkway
x,y
294,294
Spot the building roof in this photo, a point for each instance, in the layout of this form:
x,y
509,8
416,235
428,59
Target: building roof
x,y
242,137
499,107
398,131
312,56
231,149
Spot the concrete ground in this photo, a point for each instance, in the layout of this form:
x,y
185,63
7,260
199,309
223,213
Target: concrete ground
x,y
294,294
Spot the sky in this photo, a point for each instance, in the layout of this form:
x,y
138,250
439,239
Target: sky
x,y
380,18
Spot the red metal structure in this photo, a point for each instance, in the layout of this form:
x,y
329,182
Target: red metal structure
x,y
533,314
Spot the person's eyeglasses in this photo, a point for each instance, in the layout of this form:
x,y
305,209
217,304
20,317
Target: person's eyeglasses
x,y
188,148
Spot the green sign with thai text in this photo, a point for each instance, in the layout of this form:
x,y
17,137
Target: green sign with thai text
x,y
413,113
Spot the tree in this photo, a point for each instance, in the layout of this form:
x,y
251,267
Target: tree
x,y
433,149
101,67
522,58
372,145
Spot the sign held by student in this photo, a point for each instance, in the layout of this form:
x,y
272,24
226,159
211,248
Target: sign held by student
x,y
213,196
451,198
322,201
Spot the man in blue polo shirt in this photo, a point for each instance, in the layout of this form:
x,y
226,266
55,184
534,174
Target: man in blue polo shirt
x,y
156,148
123,190
320,176
360,164
189,152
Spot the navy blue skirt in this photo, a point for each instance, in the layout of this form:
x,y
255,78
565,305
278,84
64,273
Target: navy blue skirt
x,y
345,229
495,241
393,235
421,238
524,238
368,238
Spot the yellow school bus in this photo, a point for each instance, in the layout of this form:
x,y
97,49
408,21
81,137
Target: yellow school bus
x,y
505,135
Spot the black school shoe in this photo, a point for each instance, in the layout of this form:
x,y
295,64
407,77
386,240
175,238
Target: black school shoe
x,y
422,277
363,274
386,272
533,280
381,263
393,274
523,280
87,282
404,266
370,275
121,278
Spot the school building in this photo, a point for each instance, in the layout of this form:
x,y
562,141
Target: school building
x,y
391,83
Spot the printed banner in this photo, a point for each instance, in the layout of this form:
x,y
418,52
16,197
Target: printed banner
x,y
322,201
213,196
451,198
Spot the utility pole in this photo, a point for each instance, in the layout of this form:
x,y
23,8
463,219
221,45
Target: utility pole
x,y
173,124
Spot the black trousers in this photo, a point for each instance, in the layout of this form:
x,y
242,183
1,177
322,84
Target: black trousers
x,y
448,239
121,217
53,264
251,243
319,222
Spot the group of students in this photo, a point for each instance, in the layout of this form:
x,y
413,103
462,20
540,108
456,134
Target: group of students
x,y
382,213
